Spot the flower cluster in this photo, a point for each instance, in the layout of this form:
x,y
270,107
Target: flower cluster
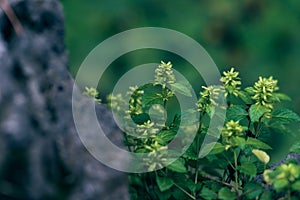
x,y
208,98
231,82
263,91
135,101
284,176
147,130
157,156
93,93
164,74
232,129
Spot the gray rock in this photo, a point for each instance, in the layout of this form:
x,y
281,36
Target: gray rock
x,y
41,155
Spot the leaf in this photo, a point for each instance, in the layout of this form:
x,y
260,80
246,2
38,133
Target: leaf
x,y
285,116
261,155
282,96
249,90
248,168
177,166
151,98
226,194
257,143
182,89
245,97
256,112
295,148
253,190
218,148
165,136
236,113
207,194
280,184
190,154
164,183
296,186
141,118
267,195
239,141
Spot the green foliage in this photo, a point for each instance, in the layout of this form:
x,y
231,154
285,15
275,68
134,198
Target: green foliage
x,y
240,155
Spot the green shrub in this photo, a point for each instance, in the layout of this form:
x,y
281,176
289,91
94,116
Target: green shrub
x,y
240,155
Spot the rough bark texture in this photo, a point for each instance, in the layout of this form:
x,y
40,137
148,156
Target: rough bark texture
x,y
41,156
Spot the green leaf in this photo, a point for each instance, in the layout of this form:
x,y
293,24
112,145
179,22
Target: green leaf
x,y
253,190
282,96
239,141
190,154
177,166
285,116
164,183
296,186
151,98
257,143
182,89
141,118
261,155
226,194
207,194
279,184
248,168
267,195
245,97
165,136
249,90
256,112
218,148
295,148
236,113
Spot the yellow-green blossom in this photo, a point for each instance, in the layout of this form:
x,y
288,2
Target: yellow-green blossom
x,y
264,90
93,93
164,74
208,97
231,82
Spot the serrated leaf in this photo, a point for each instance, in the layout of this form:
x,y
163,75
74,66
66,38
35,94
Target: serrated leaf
x,y
165,136
249,90
257,143
177,166
182,89
164,183
285,116
280,184
261,155
141,118
296,186
236,113
226,194
207,194
282,96
218,148
248,168
239,141
295,148
151,98
190,154
256,112
253,190
245,97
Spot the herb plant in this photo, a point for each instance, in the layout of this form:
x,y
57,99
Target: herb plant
x,y
241,154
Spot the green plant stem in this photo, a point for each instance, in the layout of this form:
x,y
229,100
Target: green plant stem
x,y
236,173
183,190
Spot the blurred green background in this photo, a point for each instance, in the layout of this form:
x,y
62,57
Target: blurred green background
x,y
257,37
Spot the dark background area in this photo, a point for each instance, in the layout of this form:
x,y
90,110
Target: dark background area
x,y
258,38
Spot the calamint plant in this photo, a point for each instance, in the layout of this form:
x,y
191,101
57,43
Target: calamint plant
x,y
231,170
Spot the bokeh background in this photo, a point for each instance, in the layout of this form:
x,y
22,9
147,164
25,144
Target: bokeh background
x,y
257,37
